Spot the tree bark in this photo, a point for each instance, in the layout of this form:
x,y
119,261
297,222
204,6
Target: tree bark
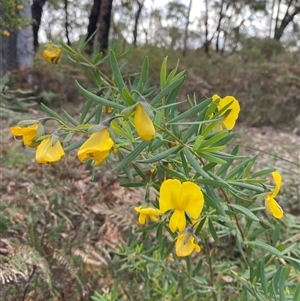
x,y
93,20
206,43
104,24
221,16
186,29
25,49
67,22
287,19
37,11
136,20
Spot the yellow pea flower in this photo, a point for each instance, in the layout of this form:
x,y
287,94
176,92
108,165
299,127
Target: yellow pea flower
x,y
29,131
231,116
143,124
185,245
96,148
270,202
52,53
47,152
180,197
147,213
20,7
6,33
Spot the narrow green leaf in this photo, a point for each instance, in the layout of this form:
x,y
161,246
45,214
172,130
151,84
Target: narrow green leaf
x,y
262,173
211,158
213,231
74,145
245,211
70,118
144,75
97,98
116,71
128,97
67,48
161,155
51,113
247,186
215,138
85,110
67,138
166,91
195,164
192,111
264,246
163,73
126,161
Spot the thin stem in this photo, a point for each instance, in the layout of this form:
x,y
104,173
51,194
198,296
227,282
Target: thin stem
x,y
210,267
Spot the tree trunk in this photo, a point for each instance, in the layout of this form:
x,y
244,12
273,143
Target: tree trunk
x,y
287,19
25,50
104,24
186,30
136,20
206,43
221,16
93,20
37,11
67,22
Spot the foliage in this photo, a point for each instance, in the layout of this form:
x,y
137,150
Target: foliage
x,y
187,146
11,20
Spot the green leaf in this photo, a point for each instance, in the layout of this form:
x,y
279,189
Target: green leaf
x,y
144,75
70,118
247,186
116,71
74,145
51,113
4,224
245,211
215,138
67,48
128,97
265,246
211,158
166,91
126,161
161,155
67,138
163,73
195,163
97,98
85,110
192,111
213,231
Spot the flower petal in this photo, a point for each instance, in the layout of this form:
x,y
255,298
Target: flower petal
x,y
143,124
277,179
96,148
28,133
184,247
146,212
177,221
273,207
169,195
191,199
48,153
230,119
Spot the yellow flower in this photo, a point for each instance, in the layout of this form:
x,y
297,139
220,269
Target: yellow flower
x,y
143,123
96,148
184,198
52,53
6,33
185,245
146,213
48,153
107,110
270,202
20,7
29,132
231,113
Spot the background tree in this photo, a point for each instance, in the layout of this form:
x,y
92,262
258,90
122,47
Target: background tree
x,y
37,11
104,24
93,20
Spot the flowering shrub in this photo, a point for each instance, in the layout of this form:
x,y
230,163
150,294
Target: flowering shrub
x,y
182,158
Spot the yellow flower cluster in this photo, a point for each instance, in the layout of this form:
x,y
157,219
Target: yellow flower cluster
x,y
50,150
6,33
180,199
52,53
